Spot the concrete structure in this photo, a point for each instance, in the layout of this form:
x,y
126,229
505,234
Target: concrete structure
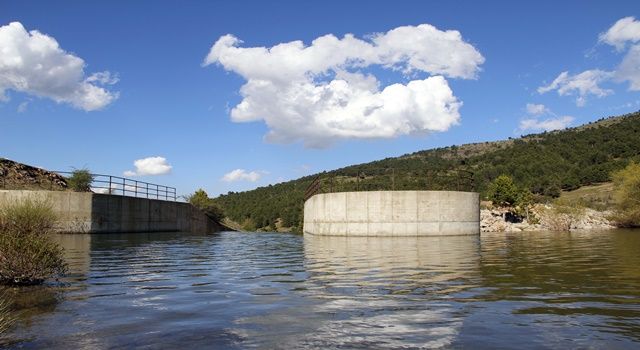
x,y
82,212
393,213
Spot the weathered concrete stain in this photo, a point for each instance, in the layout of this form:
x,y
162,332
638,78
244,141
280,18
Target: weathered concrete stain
x,y
393,213
81,212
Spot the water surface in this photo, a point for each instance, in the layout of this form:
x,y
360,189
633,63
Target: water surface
x,y
245,290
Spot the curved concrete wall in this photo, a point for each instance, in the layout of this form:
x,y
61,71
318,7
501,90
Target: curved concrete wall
x,y
393,213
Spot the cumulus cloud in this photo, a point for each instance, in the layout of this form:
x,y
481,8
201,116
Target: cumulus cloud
x,y
319,93
555,123
624,34
242,175
582,84
536,109
34,63
624,30
629,68
150,166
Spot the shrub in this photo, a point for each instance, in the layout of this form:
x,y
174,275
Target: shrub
x,y
80,180
28,255
626,184
503,192
201,200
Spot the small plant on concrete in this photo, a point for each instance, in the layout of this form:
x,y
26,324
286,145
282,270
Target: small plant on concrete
x,y
28,255
80,180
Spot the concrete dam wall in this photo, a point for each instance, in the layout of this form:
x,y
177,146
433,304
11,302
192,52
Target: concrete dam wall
x,y
82,212
393,213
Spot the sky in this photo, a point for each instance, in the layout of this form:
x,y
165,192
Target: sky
x,y
230,96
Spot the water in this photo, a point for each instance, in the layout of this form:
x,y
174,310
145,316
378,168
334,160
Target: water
x,y
238,290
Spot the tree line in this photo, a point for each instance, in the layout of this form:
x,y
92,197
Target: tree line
x,y
544,164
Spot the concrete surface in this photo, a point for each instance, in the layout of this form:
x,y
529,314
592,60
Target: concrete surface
x,y
82,212
393,213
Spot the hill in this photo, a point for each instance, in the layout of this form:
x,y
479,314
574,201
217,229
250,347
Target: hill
x,y
18,176
545,163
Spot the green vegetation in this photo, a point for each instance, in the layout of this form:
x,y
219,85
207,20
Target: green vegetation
x,y
200,199
598,197
544,164
80,180
627,195
28,255
503,192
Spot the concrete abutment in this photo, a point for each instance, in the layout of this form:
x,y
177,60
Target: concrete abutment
x,y
393,213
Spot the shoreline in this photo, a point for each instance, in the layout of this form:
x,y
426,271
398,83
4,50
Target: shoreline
x,y
545,218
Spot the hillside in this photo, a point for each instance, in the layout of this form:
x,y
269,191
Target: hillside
x,y
18,176
545,163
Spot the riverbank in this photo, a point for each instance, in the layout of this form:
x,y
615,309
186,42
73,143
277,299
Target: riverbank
x,y
545,217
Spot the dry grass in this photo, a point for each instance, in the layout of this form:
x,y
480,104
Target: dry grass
x,y
28,255
599,197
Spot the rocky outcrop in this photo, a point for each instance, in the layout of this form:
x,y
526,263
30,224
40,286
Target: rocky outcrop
x,y
544,218
18,176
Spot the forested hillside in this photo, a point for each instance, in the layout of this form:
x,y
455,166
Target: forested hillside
x,y
544,163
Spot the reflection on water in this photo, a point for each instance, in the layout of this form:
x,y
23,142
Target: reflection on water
x,y
389,292
234,290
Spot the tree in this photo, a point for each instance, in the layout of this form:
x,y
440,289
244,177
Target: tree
x,y
503,192
200,199
626,184
80,180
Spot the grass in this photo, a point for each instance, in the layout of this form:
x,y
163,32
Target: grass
x,y
599,197
7,317
28,255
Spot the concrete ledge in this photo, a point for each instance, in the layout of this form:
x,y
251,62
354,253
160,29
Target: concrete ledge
x,y
393,213
81,212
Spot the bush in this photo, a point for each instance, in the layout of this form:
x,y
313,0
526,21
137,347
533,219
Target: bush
x,y
28,255
201,200
503,192
80,180
626,184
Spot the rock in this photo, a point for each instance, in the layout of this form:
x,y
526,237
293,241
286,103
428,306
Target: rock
x,y
14,175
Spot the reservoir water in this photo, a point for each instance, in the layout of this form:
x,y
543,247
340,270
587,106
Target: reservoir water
x,y
264,290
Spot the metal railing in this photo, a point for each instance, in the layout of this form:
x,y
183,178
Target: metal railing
x,y
385,179
116,185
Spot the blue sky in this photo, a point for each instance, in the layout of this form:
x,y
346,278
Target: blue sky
x,y
159,100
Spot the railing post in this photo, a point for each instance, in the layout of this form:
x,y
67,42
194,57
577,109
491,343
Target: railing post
x,y
136,184
157,192
109,190
147,189
124,186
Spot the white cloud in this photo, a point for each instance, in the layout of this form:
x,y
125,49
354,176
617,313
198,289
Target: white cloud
x,y
556,123
318,93
582,85
629,69
150,166
536,109
242,175
22,107
34,63
624,30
